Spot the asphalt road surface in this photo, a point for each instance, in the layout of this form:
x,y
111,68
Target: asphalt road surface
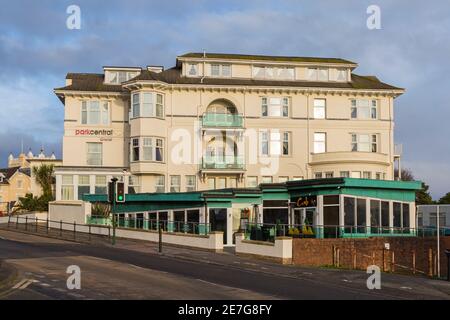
x,y
114,273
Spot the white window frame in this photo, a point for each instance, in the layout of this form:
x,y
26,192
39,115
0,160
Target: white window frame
x,y
67,187
160,187
273,72
147,104
175,183
313,74
220,70
319,144
190,67
269,107
320,108
359,107
145,143
191,187
249,178
104,117
89,154
371,142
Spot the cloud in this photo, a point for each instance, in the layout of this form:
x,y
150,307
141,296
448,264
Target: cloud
x,y
411,51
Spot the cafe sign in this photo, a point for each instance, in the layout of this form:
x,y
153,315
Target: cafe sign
x,y
309,201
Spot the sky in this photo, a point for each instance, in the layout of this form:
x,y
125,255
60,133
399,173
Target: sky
x,y
411,50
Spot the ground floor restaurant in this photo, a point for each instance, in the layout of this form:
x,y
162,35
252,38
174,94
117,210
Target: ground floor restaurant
x,y
335,207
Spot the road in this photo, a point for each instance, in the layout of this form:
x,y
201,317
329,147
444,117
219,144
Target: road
x,y
117,273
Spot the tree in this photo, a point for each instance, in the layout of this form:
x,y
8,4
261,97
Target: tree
x,y
32,204
44,177
445,199
422,196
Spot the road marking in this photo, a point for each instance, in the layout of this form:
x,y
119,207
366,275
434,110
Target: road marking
x,y
20,283
406,288
24,284
250,264
44,284
345,280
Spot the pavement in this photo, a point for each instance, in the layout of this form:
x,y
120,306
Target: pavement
x,y
135,270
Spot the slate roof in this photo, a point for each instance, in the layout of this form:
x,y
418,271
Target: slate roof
x,y
95,82
264,58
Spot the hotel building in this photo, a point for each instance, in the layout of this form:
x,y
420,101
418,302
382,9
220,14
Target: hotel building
x,y
216,121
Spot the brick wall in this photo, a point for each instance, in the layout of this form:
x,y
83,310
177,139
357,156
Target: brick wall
x,y
360,253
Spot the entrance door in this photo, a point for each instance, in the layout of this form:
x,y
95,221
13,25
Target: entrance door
x,y
218,221
305,219
331,221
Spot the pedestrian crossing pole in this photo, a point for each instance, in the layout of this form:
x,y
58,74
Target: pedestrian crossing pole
x,y
113,210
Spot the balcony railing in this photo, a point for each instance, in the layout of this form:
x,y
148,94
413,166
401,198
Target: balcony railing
x,y
222,120
223,162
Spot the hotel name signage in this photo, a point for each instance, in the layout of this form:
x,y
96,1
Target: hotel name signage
x,y
94,132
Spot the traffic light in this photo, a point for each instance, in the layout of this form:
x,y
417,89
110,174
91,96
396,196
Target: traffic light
x,y
120,192
110,192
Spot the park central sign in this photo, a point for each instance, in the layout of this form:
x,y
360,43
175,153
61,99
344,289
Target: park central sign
x,y
94,132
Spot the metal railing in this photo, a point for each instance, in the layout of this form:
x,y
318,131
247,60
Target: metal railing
x,y
268,232
59,229
212,119
153,224
223,162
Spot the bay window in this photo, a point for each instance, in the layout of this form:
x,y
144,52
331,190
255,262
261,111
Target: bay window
x,y
364,109
147,105
364,142
147,149
95,112
135,150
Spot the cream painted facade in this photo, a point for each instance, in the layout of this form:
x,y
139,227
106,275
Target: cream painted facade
x,y
246,120
18,179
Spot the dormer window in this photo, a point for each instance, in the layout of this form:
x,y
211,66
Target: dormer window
x,y
118,77
318,74
220,70
341,75
192,69
273,73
